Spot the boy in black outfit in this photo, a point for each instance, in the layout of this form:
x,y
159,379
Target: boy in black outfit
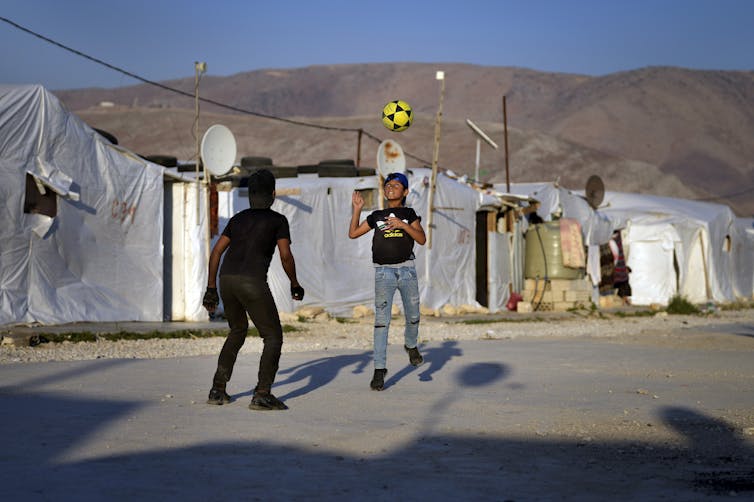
x,y
250,238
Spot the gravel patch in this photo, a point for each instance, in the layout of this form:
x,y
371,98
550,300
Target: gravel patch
x,y
318,334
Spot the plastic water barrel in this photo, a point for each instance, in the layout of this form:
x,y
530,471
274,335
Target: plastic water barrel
x,y
546,236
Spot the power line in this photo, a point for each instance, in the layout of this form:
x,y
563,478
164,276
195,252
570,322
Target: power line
x,y
726,196
184,93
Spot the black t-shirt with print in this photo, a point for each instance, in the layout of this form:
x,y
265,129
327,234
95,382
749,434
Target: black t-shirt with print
x,y
253,235
392,246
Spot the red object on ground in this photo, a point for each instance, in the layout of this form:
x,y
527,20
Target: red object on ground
x,y
513,301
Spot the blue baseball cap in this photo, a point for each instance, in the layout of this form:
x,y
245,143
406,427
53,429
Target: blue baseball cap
x,y
397,176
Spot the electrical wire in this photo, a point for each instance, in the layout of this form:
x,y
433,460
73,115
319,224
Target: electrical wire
x,y
257,114
726,196
205,100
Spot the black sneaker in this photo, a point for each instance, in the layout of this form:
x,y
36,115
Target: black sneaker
x,y
218,397
378,380
266,402
413,356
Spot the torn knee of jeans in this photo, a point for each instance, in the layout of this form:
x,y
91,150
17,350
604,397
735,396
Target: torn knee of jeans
x,y
414,321
379,325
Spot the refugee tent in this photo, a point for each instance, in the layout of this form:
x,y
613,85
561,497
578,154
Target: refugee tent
x,y
337,271
673,246
676,246
81,232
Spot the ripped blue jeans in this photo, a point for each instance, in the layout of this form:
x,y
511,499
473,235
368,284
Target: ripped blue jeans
x,y
386,281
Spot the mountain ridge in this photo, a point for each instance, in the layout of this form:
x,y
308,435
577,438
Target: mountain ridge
x,y
691,131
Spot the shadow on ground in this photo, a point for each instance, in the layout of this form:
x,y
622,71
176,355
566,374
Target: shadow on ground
x,y
716,461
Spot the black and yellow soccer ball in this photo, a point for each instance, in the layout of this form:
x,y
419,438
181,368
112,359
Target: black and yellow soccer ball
x,y
397,115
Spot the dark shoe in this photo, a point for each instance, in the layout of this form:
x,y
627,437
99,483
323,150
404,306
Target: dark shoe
x,y
266,402
413,356
378,380
218,396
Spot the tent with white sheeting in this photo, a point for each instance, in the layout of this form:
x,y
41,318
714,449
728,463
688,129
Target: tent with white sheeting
x,y
701,240
337,272
698,250
82,219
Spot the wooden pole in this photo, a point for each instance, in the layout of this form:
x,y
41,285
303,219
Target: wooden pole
x,y
358,148
435,159
509,224
505,132
197,69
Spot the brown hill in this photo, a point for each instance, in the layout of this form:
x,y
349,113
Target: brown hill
x,y
667,131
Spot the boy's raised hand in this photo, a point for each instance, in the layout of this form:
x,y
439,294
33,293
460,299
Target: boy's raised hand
x,y
357,200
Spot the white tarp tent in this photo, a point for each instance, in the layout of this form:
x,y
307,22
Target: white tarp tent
x,y
99,258
337,272
701,239
713,254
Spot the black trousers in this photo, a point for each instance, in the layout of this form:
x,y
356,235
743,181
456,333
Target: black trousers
x,y
242,295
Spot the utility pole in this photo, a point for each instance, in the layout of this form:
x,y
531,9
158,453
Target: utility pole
x,y
435,158
199,68
440,75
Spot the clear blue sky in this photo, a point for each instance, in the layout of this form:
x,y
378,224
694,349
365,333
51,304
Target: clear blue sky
x,y
161,39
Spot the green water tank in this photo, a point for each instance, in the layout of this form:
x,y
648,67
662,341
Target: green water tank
x,y
544,255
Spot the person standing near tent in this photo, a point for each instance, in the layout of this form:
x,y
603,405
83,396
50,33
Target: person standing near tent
x,y
250,238
396,228
620,269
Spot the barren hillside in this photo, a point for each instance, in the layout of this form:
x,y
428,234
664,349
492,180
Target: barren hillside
x,y
667,131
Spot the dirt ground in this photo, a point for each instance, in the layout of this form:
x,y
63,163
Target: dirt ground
x,y
663,411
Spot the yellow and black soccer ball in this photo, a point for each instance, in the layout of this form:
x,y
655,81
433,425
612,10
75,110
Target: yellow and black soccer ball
x,y
397,115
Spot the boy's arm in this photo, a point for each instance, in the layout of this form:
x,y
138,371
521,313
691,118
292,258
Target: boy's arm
x,y
289,266
214,260
211,299
414,230
355,229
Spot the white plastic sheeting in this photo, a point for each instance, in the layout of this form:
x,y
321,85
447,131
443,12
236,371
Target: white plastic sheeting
x,y
743,260
500,270
652,248
336,271
186,248
100,258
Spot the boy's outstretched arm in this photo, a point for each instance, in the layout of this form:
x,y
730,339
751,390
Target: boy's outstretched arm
x,y
355,229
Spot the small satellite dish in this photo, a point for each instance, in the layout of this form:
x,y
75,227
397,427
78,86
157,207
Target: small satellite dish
x,y
390,158
595,191
218,150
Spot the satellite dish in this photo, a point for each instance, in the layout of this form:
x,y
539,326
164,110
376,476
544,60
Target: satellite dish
x,y
218,150
390,158
595,191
